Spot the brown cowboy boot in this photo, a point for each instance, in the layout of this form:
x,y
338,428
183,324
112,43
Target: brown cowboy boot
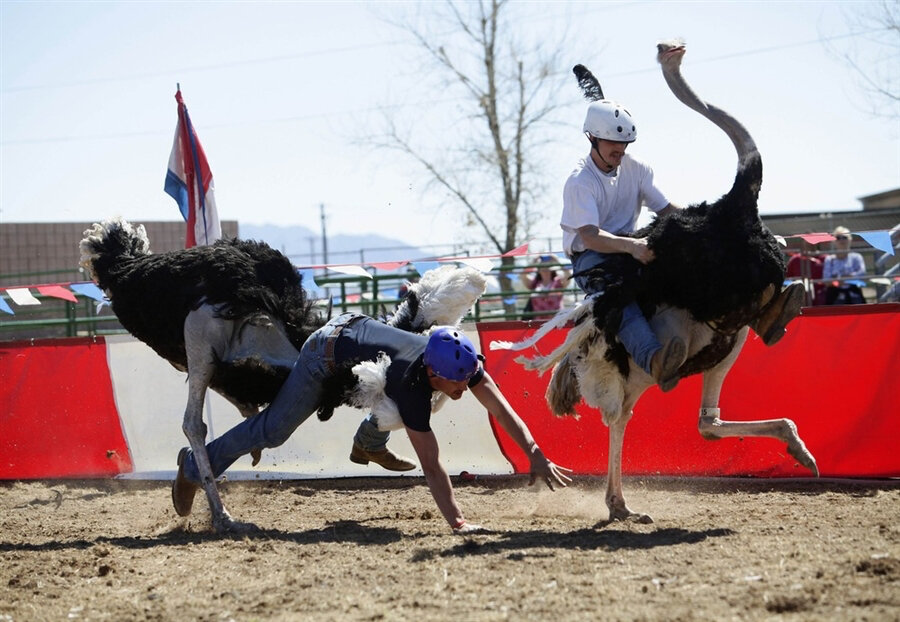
x,y
666,362
384,457
771,322
183,491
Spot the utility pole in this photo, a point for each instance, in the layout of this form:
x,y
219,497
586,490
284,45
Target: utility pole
x,y
324,237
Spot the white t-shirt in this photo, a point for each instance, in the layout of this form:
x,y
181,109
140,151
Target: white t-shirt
x,y
610,201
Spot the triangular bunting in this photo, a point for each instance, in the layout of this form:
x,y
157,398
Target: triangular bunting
x,y
424,266
57,291
816,238
22,297
90,290
351,270
308,281
482,264
518,251
879,239
387,266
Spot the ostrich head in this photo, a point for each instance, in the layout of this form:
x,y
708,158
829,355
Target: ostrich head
x,y
670,52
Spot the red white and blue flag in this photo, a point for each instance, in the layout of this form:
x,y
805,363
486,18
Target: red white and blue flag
x,y
189,181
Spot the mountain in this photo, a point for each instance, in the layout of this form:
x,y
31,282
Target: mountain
x,y
304,246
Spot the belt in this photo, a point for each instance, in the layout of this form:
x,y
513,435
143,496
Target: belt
x,y
332,337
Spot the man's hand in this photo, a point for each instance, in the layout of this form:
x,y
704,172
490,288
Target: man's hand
x,y
640,251
548,471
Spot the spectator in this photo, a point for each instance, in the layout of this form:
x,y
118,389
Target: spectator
x,y
542,280
843,263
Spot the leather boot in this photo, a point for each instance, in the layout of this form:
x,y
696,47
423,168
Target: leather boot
x,y
773,319
384,457
666,362
183,491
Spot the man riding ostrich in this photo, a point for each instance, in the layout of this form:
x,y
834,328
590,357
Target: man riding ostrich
x,y
709,272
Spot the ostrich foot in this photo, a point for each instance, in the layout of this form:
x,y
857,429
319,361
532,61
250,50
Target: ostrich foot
x,y
224,524
619,511
797,449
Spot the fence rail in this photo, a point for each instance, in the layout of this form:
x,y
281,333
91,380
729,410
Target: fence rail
x,y
377,296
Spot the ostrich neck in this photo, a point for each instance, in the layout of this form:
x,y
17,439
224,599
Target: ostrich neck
x,y
738,134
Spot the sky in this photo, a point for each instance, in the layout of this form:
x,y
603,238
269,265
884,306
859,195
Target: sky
x,y
281,93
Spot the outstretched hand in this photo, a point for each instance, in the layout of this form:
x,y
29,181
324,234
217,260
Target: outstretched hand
x,y
549,472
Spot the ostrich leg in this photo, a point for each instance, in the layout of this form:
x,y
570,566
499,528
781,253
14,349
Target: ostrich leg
x,y
201,332
711,427
615,499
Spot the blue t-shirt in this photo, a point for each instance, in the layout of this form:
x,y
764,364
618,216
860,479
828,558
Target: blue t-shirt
x,y
407,379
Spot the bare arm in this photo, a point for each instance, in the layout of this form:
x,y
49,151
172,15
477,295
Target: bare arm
x,y
602,241
597,239
426,446
668,209
491,398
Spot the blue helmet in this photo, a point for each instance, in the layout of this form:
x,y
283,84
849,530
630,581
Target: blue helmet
x,y
450,354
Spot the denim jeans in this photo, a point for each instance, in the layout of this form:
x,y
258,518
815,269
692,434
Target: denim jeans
x,y
634,332
369,437
298,398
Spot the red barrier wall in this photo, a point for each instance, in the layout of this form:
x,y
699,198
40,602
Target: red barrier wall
x,y
835,374
57,411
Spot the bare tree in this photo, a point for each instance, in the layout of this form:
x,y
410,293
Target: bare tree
x,y
503,94
875,64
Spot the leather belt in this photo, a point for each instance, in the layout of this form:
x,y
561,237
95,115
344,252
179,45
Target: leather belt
x,y
332,337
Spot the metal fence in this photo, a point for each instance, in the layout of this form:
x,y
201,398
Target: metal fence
x,y
377,296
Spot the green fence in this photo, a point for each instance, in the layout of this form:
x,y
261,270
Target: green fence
x,y
377,296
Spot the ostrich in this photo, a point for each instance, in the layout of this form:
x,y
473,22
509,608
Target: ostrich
x,y
234,316
718,271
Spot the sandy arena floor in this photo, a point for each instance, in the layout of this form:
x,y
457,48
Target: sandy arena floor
x,y
377,549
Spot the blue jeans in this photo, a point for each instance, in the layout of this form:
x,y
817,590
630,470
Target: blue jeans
x,y
369,437
298,398
634,332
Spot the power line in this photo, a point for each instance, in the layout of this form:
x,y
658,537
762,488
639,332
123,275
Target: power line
x,y
201,68
341,113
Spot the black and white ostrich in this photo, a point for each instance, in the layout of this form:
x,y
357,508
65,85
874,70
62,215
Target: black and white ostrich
x,y
717,270
234,316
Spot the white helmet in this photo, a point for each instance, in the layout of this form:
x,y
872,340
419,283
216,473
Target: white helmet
x,y
610,121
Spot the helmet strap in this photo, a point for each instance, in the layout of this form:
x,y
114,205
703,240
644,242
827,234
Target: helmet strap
x,y
602,159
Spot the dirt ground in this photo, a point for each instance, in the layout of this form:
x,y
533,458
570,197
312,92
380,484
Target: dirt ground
x,y
377,549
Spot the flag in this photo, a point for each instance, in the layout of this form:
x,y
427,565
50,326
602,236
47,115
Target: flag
x,y
189,181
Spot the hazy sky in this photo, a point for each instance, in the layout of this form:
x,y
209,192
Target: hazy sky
x,y
279,91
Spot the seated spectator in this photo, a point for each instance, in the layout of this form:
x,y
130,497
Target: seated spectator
x,y
541,279
806,266
842,264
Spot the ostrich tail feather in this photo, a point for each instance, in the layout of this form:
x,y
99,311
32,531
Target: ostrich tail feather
x,y
445,295
557,321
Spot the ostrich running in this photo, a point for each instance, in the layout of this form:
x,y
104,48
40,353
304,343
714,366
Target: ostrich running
x,y
718,271
234,316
